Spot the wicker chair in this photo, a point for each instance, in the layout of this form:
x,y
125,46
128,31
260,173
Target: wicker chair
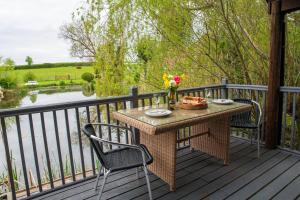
x,y
249,120
127,157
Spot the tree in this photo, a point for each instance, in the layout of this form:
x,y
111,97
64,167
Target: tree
x,y
9,63
204,39
29,60
84,42
7,79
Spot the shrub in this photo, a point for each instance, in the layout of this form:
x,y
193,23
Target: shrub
x,y
62,83
8,82
29,76
89,77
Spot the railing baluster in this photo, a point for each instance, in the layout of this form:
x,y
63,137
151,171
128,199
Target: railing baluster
x,y
177,138
126,131
143,102
99,121
108,121
35,153
189,135
22,155
264,100
150,101
61,166
80,142
293,136
46,149
88,115
8,158
283,127
70,145
183,136
118,123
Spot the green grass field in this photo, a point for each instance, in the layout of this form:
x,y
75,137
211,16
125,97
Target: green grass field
x,y
54,75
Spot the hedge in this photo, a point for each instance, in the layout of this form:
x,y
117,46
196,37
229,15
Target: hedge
x,y
54,65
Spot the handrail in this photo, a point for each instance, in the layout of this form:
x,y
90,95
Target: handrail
x,y
262,88
290,89
247,87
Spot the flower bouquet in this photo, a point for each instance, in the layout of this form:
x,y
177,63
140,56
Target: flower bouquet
x,y
171,84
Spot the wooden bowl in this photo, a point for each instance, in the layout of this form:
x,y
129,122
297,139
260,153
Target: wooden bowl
x,y
192,106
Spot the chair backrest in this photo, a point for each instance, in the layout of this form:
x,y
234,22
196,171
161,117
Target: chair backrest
x,y
89,130
249,116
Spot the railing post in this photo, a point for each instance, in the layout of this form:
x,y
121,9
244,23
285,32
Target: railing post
x,y
134,103
8,159
224,90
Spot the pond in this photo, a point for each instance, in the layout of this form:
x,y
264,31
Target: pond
x,y
45,97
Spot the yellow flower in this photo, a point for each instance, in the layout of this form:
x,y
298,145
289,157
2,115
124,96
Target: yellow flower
x,y
167,83
165,77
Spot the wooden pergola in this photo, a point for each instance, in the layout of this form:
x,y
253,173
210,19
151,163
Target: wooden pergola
x,y
278,10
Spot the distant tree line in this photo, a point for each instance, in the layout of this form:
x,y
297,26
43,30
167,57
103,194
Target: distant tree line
x,y
54,65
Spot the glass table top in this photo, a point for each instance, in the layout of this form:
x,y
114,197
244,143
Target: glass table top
x,y
181,114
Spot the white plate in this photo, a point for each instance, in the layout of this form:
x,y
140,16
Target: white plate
x,y
223,101
158,112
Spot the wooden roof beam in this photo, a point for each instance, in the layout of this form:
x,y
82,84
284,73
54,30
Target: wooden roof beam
x,y
287,6
290,5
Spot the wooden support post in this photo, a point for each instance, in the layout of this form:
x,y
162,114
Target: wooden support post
x,y
276,75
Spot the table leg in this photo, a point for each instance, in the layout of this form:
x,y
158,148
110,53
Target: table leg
x,y
163,149
217,142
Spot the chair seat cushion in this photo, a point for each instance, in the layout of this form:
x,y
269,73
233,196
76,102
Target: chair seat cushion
x,y
127,158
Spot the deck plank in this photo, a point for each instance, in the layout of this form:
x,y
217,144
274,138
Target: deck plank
x,y
291,191
252,176
252,187
278,184
200,176
236,171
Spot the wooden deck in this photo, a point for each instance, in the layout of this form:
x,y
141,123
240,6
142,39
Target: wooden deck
x,y
275,175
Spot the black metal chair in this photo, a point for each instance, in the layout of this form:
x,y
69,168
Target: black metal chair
x,y
127,157
249,120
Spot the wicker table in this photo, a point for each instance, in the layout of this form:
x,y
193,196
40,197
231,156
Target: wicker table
x,y
210,134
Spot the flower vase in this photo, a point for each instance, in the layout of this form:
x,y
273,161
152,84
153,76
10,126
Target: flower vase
x,y
172,99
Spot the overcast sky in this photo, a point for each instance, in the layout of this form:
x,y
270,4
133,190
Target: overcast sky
x,y
31,28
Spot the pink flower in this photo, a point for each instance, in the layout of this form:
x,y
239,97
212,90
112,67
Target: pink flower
x,y
177,79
